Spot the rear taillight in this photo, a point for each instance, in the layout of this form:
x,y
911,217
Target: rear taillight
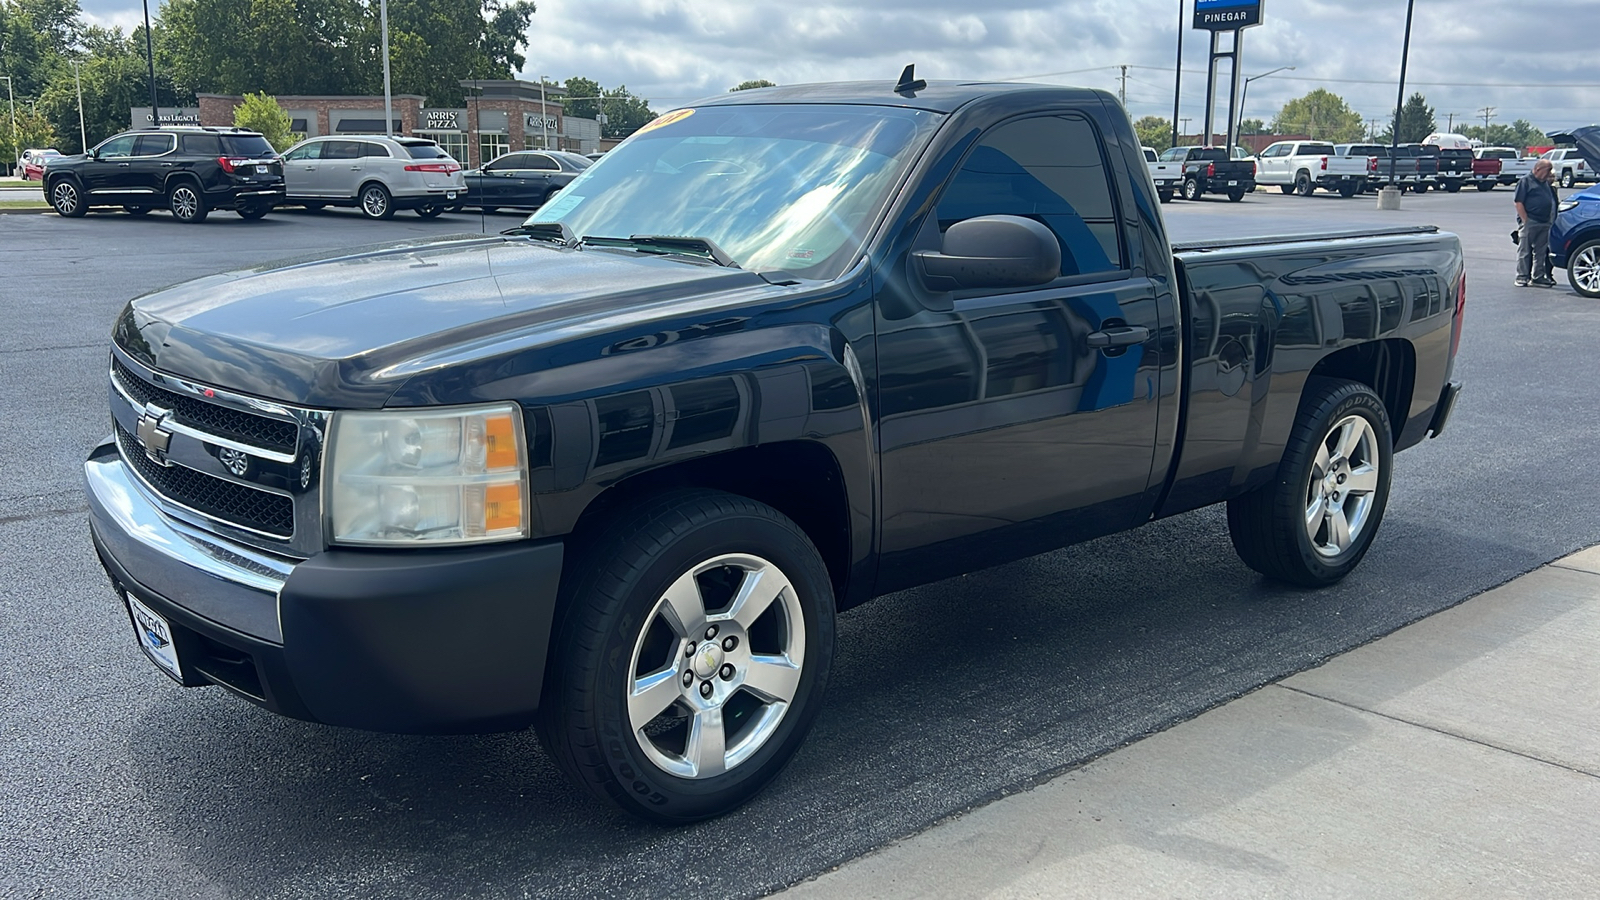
x,y
1211,170
1324,164
442,168
1372,164
1461,310
229,164
1252,169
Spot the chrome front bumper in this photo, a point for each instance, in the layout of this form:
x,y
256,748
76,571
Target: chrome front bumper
x,y
226,583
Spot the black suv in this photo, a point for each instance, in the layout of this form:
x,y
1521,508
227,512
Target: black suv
x,y
190,171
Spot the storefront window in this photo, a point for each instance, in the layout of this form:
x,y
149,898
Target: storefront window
x,y
452,142
493,146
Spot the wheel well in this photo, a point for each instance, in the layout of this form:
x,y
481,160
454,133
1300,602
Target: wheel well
x,y
800,479
1389,367
175,180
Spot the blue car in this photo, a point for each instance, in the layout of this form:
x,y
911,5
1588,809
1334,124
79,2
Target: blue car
x,y
1575,239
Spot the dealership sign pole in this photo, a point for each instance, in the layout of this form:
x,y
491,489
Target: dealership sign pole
x,y
1217,16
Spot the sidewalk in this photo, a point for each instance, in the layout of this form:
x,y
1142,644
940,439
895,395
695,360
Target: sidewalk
x,y
1458,757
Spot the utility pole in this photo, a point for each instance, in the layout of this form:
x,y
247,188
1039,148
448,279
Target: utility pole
x,y
150,55
1450,122
16,148
388,104
1185,120
1488,113
1122,93
544,111
1177,78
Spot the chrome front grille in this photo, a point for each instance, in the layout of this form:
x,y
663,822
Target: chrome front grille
x,y
245,468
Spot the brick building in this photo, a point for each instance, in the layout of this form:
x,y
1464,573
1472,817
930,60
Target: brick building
x,y
499,117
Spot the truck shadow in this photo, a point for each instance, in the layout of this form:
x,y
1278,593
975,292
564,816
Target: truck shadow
x,y
942,698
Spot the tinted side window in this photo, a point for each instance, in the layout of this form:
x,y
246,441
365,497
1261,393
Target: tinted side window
x,y
200,145
1049,169
305,151
369,149
540,161
341,150
253,146
153,144
425,151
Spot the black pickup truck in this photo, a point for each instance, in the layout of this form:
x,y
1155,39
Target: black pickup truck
x,y
615,474
1212,170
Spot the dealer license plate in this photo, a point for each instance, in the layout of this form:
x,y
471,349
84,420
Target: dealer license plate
x,y
155,638
261,170
449,195
1232,183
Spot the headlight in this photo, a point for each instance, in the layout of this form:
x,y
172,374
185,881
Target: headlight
x,y
1565,205
428,476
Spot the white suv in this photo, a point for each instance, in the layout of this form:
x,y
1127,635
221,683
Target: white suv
x,y
373,173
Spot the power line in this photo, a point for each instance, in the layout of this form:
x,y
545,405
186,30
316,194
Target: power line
x,y
1388,81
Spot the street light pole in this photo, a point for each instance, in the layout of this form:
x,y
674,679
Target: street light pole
x,y
1177,79
83,133
544,112
1246,91
150,57
388,103
16,150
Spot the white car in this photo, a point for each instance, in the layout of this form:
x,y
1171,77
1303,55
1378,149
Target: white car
x,y
1303,166
373,173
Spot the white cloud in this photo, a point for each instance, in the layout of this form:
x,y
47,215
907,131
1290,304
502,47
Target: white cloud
x,y
1465,55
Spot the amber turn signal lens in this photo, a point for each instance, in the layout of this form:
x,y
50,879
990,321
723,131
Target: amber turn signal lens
x,y
502,507
500,450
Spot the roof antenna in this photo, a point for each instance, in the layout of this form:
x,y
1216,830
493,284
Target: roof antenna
x,y
909,82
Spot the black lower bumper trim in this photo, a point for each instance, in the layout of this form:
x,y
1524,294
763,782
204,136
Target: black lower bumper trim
x,y
1447,405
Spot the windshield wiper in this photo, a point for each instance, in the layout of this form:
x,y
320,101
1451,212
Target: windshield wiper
x,y
700,247
557,232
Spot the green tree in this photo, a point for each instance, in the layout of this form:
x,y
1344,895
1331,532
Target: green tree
x,y
747,85
1154,132
1252,126
261,112
1321,114
1520,134
33,130
113,82
1416,119
624,112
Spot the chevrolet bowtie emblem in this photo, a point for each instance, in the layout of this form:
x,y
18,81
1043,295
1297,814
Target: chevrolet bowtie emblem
x,y
152,437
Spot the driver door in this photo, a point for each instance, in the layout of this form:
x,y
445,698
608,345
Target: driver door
x,y
112,161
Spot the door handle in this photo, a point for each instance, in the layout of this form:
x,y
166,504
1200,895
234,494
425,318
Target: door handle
x,y
1118,336
355,168
167,165
123,165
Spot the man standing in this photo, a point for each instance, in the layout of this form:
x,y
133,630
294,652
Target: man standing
x,y
1536,211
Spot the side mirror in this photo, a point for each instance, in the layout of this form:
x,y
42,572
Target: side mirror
x,y
991,252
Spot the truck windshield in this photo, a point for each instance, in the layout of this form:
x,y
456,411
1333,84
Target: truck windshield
x,y
784,188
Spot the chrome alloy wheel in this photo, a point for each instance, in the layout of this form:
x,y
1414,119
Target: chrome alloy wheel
x,y
1584,267
374,202
185,203
64,198
716,666
1340,494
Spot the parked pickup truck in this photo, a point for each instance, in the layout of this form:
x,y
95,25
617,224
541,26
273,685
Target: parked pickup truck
x,y
1166,170
1211,170
1303,166
614,472
1427,159
1377,157
1455,167
1512,165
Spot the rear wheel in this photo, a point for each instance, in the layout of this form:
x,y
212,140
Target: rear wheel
x,y
188,203
690,657
375,202
1583,269
1312,524
1236,195
1566,178
66,199
1303,185
1191,188
1485,185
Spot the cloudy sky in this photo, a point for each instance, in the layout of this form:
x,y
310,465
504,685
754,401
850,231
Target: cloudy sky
x,y
1465,54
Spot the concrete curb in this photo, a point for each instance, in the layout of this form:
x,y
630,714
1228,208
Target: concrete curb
x,y
41,209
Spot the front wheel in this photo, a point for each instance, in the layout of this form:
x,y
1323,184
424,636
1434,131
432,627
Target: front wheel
x,y
1583,269
67,201
690,657
1313,523
1191,189
376,203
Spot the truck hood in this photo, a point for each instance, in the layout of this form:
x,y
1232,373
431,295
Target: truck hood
x,y
1586,139
337,331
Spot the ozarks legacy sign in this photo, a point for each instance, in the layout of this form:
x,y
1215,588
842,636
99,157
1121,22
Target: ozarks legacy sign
x,y
1226,15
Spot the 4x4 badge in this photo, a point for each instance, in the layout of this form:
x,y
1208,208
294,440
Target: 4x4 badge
x,y
152,437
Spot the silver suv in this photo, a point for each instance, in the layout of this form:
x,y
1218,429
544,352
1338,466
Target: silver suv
x,y
373,173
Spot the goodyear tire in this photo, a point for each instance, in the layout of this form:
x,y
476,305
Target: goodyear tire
x,y
1312,523
690,655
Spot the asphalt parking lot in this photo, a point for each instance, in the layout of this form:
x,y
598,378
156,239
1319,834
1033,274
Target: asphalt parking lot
x,y
120,784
